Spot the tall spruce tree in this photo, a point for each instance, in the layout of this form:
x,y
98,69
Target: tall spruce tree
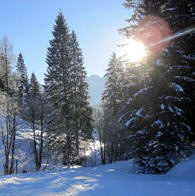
x,y
34,113
112,99
180,55
23,86
81,111
155,115
67,94
114,82
58,88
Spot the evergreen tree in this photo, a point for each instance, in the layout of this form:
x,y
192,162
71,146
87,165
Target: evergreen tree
x,y
81,116
34,112
23,86
114,82
67,94
58,89
155,116
180,55
112,99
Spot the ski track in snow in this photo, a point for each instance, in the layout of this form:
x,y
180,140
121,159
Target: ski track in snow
x,y
118,179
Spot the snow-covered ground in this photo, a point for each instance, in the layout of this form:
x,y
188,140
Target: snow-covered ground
x,y
118,179
24,150
23,147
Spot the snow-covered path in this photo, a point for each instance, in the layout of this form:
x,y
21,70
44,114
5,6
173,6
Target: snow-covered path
x,y
114,179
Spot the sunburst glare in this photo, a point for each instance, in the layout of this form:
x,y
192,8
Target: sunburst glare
x,y
131,50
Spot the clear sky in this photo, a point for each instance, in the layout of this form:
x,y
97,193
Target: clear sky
x,y
28,25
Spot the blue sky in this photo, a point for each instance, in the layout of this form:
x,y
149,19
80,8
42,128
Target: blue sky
x,y
28,25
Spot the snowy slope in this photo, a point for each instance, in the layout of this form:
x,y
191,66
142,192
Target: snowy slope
x,y
23,147
25,157
118,179
24,150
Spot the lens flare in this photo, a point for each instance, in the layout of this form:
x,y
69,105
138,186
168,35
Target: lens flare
x,y
174,36
151,30
132,50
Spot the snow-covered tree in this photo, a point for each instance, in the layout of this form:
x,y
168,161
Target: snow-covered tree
x,y
58,88
180,56
8,106
81,111
154,116
112,99
34,111
23,86
66,89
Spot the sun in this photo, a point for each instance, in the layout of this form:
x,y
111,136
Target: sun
x,y
135,50
132,50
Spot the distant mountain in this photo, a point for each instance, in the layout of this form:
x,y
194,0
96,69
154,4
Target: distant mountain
x,y
96,88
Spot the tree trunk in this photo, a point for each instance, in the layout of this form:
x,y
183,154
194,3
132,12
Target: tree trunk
x,y
41,141
35,146
101,148
6,163
11,171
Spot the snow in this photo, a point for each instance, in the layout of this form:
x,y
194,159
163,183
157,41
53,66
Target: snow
x,y
178,111
184,78
24,150
185,169
159,123
187,126
130,121
170,9
177,87
162,106
158,62
159,133
180,67
132,84
141,91
119,178
141,132
170,108
139,112
165,50
171,97
23,147
189,57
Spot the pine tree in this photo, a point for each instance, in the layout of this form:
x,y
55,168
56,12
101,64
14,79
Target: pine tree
x,y
57,85
34,111
34,101
180,55
155,116
23,86
67,94
112,93
112,99
81,116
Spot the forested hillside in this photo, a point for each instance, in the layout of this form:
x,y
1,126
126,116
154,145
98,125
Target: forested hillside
x,y
58,112
147,104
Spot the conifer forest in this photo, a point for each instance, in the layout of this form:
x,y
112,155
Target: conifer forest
x,y
143,124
